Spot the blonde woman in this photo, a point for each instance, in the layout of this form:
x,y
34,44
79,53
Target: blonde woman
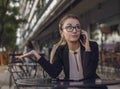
x,y
76,56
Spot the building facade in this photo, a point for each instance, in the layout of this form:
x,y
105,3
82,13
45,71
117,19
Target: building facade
x,y
101,18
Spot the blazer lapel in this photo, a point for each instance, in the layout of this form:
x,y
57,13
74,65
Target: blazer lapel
x,y
82,50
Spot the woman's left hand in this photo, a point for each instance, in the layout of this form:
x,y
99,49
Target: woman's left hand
x,y
85,40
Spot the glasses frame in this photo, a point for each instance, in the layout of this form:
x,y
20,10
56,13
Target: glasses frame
x,y
77,28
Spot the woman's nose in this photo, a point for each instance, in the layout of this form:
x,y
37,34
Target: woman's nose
x,y
74,30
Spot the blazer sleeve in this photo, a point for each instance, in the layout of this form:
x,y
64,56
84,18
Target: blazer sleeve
x,y
91,61
52,69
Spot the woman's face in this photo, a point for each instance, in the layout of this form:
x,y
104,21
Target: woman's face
x,y
71,30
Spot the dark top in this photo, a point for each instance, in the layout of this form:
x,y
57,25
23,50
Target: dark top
x,y
61,61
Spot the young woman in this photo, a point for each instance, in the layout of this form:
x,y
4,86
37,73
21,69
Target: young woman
x,y
74,53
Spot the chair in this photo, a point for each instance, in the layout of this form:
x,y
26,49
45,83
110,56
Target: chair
x,y
20,70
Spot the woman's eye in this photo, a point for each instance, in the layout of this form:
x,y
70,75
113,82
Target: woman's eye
x,y
78,27
68,27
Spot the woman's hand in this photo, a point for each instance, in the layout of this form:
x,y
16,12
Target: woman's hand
x,y
31,53
18,57
85,40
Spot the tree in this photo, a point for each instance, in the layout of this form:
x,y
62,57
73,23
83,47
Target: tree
x,y
9,23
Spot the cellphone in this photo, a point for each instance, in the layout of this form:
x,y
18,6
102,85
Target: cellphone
x,y
82,38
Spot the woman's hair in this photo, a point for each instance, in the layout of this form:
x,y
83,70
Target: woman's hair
x,y
62,40
65,18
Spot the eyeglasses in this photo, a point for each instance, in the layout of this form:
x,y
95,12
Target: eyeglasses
x,y
71,28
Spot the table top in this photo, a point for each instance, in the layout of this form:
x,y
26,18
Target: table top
x,y
66,83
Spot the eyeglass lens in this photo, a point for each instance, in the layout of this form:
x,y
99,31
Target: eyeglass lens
x,y
71,28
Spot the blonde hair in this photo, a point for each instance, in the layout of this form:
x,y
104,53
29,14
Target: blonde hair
x,y
55,46
62,40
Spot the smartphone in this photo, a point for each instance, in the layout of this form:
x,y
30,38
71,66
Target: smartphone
x,y
82,38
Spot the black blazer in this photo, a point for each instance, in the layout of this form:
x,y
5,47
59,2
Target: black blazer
x,y
61,61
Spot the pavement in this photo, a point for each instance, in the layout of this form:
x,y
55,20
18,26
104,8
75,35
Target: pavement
x,y
4,81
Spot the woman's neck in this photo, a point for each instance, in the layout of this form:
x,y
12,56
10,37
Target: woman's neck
x,y
73,45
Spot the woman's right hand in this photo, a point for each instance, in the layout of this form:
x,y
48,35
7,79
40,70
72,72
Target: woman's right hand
x,y
18,57
31,53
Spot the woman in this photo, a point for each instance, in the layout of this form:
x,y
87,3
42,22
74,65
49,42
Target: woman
x,y
76,56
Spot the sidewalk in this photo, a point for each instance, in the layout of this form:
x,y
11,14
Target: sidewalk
x,y
3,67
4,79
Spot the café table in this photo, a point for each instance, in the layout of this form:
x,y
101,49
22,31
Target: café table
x,y
61,83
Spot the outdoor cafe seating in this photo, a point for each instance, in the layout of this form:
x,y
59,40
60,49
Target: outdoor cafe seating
x,y
20,70
24,75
